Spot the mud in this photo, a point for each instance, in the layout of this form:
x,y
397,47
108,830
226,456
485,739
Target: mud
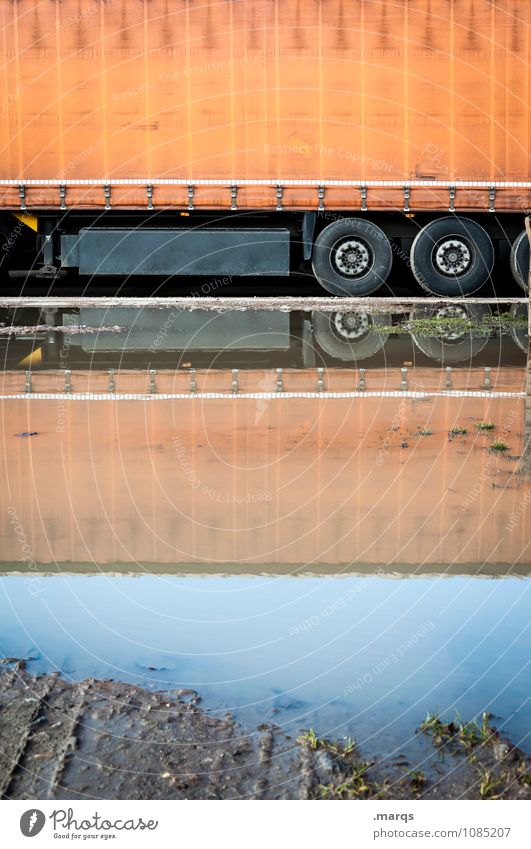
x,y
104,740
246,303
72,330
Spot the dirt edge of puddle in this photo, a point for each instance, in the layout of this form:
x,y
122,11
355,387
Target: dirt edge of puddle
x,y
102,739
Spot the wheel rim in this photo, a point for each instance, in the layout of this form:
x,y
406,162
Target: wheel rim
x,y
452,311
452,347
351,325
352,257
366,333
519,335
453,256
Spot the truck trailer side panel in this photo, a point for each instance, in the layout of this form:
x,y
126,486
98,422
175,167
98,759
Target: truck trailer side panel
x,y
298,93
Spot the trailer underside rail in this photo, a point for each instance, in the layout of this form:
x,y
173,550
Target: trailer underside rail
x,y
380,194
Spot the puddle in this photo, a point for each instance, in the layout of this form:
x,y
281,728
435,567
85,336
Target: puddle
x,y
366,656
300,333
304,516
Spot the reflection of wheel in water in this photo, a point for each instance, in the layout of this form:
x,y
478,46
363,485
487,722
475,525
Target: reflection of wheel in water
x,y
351,335
520,260
309,359
519,334
451,346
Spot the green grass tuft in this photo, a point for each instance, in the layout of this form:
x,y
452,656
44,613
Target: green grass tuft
x,y
498,446
489,785
311,739
457,430
354,787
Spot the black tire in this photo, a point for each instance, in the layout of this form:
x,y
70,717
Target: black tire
x,y
358,270
434,248
9,239
519,336
451,348
520,260
368,338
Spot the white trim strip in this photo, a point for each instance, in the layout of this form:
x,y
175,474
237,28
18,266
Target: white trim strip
x,y
273,184
202,396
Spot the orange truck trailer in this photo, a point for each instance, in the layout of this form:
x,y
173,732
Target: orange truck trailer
x,y
259,137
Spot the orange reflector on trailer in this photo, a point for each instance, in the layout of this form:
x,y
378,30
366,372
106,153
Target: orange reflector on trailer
x,y
29,220
33,358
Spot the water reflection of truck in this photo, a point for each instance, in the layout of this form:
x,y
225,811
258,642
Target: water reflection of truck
x,y
194,139
295,477
302,338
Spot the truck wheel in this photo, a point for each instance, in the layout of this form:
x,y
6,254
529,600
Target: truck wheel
x,y
352,257
352,335
451,346
520,260
452,256
519,334
9,242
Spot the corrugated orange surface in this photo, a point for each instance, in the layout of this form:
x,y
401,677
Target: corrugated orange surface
x,y
264,89
261,481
